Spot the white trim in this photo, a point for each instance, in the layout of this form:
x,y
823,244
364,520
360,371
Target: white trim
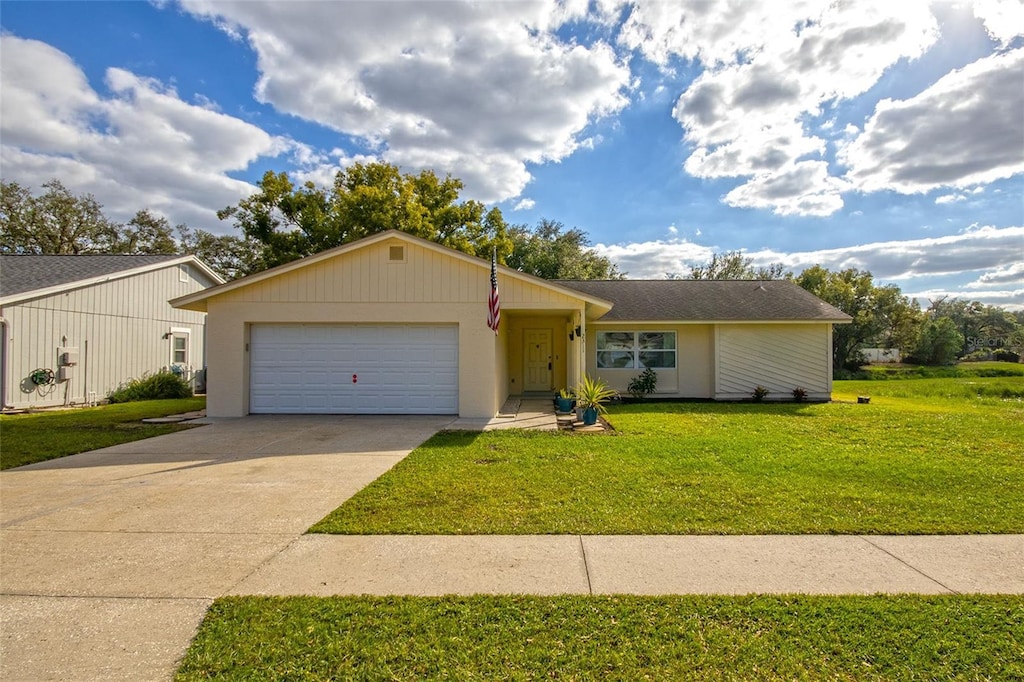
x,y
598,323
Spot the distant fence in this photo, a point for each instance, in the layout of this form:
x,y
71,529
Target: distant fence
x,y
881,354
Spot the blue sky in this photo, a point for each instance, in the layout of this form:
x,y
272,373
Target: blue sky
x,y
886,136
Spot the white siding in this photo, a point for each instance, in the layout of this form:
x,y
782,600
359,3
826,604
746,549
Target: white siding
x,y
117,326
779,357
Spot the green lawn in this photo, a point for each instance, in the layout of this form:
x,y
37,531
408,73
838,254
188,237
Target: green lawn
x,y
926,456
618,638
964,369
28,438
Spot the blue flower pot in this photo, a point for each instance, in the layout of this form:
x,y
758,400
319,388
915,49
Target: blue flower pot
x,y
565,404
590,416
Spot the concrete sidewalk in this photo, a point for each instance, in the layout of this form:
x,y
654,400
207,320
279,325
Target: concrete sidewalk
x,y
643,565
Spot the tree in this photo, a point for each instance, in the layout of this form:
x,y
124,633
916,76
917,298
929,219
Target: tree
x,y
938,342
55,222
876,311
551,253
229,256
290,222
145,234
733,265
977,323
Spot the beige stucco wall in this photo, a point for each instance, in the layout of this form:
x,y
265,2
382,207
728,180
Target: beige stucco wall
x,y
118,327
363,286
693,376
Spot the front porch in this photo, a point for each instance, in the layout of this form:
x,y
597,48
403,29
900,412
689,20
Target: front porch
x,y
543,352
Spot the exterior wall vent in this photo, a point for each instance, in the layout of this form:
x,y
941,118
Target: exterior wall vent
x,y
396,254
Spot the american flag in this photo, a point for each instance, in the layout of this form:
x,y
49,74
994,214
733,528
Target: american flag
x,y
493,305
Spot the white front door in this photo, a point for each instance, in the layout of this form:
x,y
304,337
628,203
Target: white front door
x,y
538,360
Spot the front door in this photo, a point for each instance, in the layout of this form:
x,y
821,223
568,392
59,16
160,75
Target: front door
x,y
538,360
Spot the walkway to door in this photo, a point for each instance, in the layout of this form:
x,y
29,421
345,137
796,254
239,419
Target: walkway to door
x,y
518,412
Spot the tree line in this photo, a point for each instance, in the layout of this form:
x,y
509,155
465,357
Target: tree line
x,y
948,330
282,222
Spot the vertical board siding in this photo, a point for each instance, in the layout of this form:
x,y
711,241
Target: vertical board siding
x,y
778,357
117,326
366,276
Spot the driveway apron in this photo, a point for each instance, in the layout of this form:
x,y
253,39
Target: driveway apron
x,y
109,559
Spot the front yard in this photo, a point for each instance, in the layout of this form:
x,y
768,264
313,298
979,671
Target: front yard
x,y
926,456
39,436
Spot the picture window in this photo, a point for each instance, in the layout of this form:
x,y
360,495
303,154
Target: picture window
x,y
636,350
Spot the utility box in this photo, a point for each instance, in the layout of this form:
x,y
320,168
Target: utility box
x,y
67,356
65,372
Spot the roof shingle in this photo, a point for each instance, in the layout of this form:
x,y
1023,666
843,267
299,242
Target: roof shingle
x,y
694,300
20,274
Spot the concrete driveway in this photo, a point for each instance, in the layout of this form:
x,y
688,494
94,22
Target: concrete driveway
x,y
109,559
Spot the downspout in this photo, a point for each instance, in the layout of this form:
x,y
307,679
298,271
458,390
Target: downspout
x,y
4,361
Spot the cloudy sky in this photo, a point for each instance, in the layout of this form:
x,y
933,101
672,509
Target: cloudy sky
x,y
886,136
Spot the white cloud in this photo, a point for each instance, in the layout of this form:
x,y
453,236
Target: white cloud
x,y
1007,274
772,66
476,89
655,259
804,188
966,129
1011,299
524,205
980,248
142,147
672,230
998,252
1003,19
950,198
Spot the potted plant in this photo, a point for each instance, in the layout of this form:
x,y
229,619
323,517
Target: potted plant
x,y
565,401
591,395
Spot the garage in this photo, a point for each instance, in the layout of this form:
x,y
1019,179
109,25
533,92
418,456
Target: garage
x,y
353,369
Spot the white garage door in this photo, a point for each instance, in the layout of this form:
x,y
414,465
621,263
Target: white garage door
x,y
354,369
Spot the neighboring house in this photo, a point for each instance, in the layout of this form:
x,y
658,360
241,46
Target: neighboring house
x,y
76,327
396,324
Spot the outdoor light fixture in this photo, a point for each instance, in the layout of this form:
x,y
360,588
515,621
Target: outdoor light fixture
x,y
579,332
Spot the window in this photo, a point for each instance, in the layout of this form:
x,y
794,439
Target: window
x,y
396,254
179,349
636,350
183,273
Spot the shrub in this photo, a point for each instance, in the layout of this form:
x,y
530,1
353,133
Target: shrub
x,y
1006,356
644,384
799,394
759,394
160,386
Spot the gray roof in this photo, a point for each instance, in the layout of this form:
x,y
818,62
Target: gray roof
x,y
20,274
693,300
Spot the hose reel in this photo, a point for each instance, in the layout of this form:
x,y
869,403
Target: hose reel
x,y
42,377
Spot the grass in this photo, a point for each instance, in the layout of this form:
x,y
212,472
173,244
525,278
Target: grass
x,y
36,437
965,369
586,638
925,457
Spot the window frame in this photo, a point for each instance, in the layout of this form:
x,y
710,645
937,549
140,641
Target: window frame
x,y
636,349
186,336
